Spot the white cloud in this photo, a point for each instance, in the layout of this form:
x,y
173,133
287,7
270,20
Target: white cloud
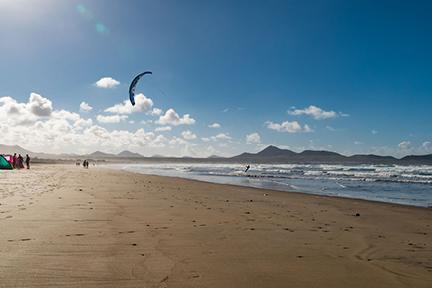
x,y
221,136
177,141
404,145
67,132
289,127
205,139
315,112
107,82
214,125
358,143
85,107
374,132
111,118
253,138
163,128
39,105
188,135
142,104
172,118
156,112
15,113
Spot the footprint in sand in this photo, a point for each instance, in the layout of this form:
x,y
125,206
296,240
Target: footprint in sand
x,y
194,275
129,232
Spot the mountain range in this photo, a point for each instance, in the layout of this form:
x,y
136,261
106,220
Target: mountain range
x,y
269,155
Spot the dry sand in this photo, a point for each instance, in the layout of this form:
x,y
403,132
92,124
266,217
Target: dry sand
x,y
69,227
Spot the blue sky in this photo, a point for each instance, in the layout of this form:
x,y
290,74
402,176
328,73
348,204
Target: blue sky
x,y
348,76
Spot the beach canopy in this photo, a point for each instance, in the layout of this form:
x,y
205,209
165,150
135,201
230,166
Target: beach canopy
x,y
4,164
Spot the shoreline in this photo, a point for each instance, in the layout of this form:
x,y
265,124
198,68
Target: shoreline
x,y
66,226
270,189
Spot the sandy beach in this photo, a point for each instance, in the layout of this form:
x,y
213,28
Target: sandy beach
x,y
64,226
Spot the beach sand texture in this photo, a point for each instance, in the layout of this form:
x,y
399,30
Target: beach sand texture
x,y
64,226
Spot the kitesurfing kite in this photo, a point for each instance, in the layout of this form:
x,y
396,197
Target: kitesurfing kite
x,y
133,84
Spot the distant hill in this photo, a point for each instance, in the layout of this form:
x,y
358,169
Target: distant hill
x,y
11,149
99,154
417,159
269,155
273,154
129,154
214,157
159,156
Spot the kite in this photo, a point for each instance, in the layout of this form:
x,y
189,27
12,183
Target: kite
x,y
133,84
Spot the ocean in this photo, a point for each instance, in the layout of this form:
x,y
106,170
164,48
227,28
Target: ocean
x,y
409,185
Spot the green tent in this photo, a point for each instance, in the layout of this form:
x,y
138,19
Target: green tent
x,y
4,164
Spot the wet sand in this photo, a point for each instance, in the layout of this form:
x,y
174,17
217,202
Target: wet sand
x,y
64,226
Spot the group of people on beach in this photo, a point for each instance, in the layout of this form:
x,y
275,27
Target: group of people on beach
x,y
86,164
18,161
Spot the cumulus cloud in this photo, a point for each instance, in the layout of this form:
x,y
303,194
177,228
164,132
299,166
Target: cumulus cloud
x,y
215,125
315,112
39,105
163,128
188,135
405,145
63,131
142,104
289,127
156,112
85,107
15,113
221,136
172,118
107,82
253,138
111,118
177,141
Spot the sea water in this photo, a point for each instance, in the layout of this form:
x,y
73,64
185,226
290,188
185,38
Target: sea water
x,y
410,185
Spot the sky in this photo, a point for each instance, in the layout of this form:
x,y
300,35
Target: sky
x,y
228,76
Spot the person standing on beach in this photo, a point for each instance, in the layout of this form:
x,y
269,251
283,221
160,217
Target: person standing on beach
x,y
27,160
14,160
19,162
